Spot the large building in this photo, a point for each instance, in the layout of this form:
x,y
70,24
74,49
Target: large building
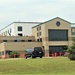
x,y
53,36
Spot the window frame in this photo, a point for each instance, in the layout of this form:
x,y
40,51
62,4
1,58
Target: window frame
x,y
20,28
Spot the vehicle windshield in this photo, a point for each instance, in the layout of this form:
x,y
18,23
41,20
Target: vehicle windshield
x,y
30,50
38,48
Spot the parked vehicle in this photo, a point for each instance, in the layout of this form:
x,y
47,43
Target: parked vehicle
x,y
34,52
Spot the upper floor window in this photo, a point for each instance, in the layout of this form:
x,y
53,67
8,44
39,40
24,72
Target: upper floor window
x,y
37,34
57,35
39,27
10,30
40,33
19,28
73,31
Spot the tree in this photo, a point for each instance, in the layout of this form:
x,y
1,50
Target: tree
x,y
71,51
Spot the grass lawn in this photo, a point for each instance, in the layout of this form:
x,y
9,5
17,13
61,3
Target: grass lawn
x,y
40,66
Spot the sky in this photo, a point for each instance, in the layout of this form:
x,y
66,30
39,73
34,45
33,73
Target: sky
x,y
35,11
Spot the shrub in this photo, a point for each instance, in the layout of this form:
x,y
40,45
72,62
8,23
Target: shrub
x,y
71,51
12,54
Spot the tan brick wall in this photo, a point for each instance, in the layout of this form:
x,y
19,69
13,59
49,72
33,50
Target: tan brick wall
x,y
18,46
52,25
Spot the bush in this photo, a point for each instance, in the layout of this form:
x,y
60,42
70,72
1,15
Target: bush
x,y
71,57
71,51
12,54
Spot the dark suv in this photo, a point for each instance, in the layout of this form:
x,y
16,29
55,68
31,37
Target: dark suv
x,y
34,52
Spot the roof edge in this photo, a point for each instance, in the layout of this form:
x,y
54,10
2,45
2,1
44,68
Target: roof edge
x,y
51,20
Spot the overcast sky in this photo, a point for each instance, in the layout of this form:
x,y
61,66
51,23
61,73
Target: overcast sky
x,y
35,10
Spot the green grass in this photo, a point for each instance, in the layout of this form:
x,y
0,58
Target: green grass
x,y
44,66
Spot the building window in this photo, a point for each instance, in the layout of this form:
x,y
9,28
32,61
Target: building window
x,y
19,28
2,52
15,40
39,27
40,33
10,30
73,31
4,40
57,35
37,40
22,40
29,40
8,52
58,23
40,39
20,35
37,34
6,32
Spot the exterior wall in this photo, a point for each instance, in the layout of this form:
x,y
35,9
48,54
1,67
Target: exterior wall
x,y
45,43
64,25
18,46
18,38
26,27
2,49
5,31
21,46
52,25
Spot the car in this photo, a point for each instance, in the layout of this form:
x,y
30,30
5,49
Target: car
x,y
34,52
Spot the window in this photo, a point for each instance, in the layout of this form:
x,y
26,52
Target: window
x,y
40,33
4,40
2,52
6,32
37,40
73,31
15,40
10,30
37,34
57,49
19,28
57,35
8,52
29,40
19,34
39,27
40,39
22,40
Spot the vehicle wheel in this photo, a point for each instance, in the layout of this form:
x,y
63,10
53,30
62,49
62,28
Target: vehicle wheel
x,y
26,57
41,57
32,57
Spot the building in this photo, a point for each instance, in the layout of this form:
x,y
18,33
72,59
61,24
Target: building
x,y
53,36
17,43
18,29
